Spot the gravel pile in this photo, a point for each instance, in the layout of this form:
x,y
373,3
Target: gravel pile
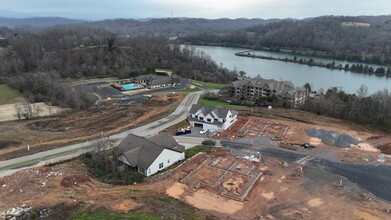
x,y
332,138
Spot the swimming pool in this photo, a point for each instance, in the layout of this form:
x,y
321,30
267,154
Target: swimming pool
x,y
129,86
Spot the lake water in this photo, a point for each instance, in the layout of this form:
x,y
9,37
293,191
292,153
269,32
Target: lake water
x,y
299,74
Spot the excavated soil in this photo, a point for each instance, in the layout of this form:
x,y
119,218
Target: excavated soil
x,y
74,180
80,126
290,193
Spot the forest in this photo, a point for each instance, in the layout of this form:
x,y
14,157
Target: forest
x,y
36,63
362,39
372,110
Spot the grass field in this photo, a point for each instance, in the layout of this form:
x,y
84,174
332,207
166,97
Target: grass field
x,y
9,95
153,207
195,150
355,24
107,215
211,85
213,103
188,90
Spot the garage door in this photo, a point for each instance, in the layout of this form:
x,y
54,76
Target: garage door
x,y
198,125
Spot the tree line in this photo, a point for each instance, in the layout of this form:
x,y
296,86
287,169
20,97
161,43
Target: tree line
x,y
36,63
372,110
324,36
356,68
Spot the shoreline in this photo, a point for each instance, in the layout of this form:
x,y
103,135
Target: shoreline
x,y
361,68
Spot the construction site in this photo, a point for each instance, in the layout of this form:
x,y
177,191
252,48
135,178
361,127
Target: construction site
x,y
45,133
225,183
215,185
291,134
229,176
258,128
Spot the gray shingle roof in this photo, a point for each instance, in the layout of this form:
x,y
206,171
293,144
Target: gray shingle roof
x,y
279,86
218,111
140,151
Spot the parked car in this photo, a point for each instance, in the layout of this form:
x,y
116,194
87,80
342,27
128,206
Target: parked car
x,y
211,143
183,132
307,146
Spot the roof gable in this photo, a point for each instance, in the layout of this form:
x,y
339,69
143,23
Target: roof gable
x,y
205,110
140,151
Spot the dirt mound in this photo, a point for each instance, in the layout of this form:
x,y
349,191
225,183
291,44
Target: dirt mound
x,y
74,180
233,185
385,149
161,100
383,143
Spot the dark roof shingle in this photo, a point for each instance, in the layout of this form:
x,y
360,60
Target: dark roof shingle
x,y
140,151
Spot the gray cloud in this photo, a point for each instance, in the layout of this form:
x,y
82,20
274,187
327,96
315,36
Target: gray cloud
x,y
101,9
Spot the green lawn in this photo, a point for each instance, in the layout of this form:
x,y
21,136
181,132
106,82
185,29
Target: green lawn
x,y
211,85
107,215
196,149
188,90
9,95
213,103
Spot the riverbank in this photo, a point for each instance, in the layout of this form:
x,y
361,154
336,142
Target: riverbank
x,y
355,68
317,77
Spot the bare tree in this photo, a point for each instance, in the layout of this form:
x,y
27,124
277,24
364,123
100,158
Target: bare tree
x,y
362,92
18,110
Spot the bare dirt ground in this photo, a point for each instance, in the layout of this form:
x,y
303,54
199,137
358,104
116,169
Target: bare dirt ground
x,y
369,147
8,111
285,193
79,126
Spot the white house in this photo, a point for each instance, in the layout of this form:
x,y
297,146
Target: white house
x,y
149,155
211,118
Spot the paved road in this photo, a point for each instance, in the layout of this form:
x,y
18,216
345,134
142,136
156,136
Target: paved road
x,y
74,150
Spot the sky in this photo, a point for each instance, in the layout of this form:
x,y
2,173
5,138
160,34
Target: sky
x,y
109,9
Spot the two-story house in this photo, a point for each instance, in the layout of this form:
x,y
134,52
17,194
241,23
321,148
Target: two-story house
x,y
211,118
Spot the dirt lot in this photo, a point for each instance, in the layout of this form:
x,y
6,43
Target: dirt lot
x,y
285,193
78,126
293,133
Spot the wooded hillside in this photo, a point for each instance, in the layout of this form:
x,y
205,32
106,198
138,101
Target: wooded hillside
x,y
364,38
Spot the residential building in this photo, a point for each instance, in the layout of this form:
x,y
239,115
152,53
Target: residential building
x,y
152,81
211,118
163,72
149,155
256,88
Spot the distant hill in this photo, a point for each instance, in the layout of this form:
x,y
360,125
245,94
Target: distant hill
x,y
37,22
144,27
362,38
173,26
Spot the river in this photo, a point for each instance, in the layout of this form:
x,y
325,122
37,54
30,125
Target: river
x,y
299,74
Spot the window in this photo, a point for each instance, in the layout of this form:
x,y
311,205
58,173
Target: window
x,y
168,161
209,120
160,165
201,118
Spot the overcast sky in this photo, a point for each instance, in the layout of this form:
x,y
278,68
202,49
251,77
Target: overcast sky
x,y
102,9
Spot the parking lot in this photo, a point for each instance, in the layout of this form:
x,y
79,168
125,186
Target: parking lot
x,y
102,89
